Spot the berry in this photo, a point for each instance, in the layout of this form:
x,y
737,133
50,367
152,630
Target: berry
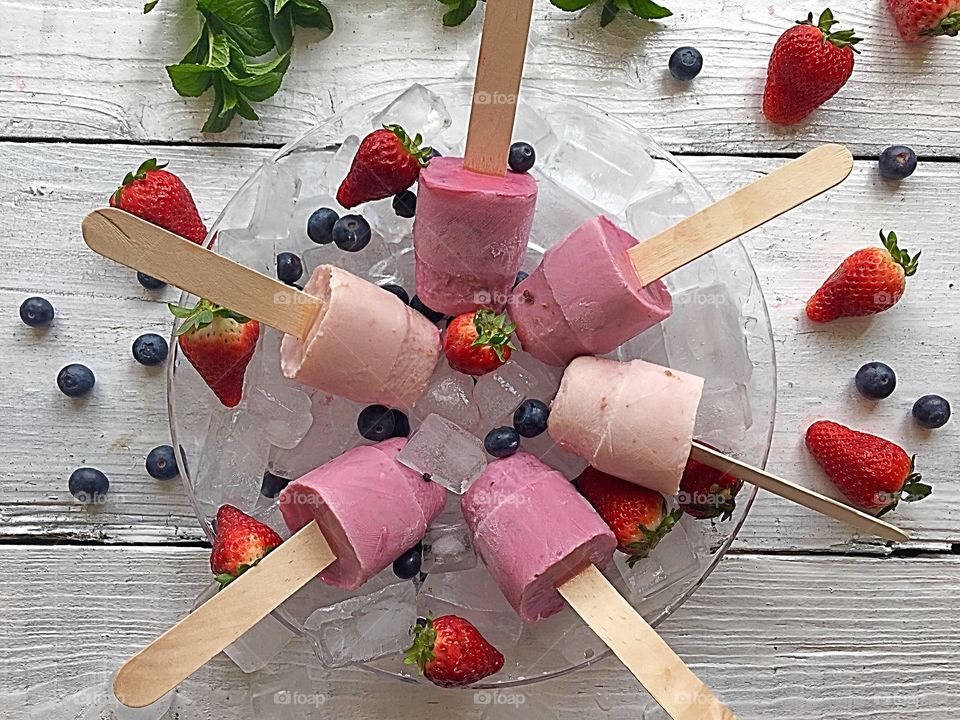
x,y
272,485
522,157
876,380
502,442
150,349
377,423
432,315
351,233
36,312
88,485
150,283
706,493
931,412
521,276
162,463
387,162
75,380
405,204
241,543
161,198
923,19
530,419
398,291
897,163
401,424
478,342
407,566
450,652
686,63
320,225
289,268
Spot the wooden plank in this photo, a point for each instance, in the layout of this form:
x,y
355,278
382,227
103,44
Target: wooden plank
x,y
73,69
803,638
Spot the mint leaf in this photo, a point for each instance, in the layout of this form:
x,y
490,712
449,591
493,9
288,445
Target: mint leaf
x,y
281,28
150,6
648,10
278,6
460,11
312,14
246,21
218,120
572,5
190,80
609,12
245,111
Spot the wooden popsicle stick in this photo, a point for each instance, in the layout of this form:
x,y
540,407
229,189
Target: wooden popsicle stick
x,y
795,493
152,250
659,669
760,202
506,26
191,643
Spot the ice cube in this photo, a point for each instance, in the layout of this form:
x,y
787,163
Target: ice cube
x,y
724,414
678,558
366,627
558,213
660,209
543,447
565,635
333,432
277,193
338,167
385,221
242,247
233,462
533,127
288,694
649,345
376,262
298,241
450,394
500,392
446,452
416,110
281,412
448,548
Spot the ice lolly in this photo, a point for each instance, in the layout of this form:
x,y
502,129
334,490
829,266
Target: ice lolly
x,y
370,508
586,298
534,532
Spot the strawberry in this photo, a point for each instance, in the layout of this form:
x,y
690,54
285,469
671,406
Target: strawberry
x,y
219,344
637,516
451,652
706,493
868,282
873,473
241,543
921,19
387,162
810,63
161,198
478,342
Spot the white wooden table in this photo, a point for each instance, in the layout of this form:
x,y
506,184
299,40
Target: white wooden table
x,y
802,619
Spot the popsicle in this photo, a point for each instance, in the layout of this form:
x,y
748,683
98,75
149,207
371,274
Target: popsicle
x,y
636,420
473,218
599,287
370,508
344,335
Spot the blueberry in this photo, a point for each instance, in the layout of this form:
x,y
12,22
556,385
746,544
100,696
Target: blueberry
x,y
150,349
407,566
502,441
876,380
401,424
75,380
530,419
931,411
522,157
432,315
398,291
150,283
351,233
162,463
36,312
686,63
376,423
272,485
405,204
521,276
897,163
289,268
320,225
88,485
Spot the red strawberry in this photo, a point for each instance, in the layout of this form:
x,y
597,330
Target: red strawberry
x,y
868,282
451,652
920,19
706,493
241,543
637,516
809,65
872,472
219,344
161,198
387,163
478,342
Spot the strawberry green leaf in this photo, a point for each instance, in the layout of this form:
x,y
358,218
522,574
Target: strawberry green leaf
x,y
150,6
424,641
949,26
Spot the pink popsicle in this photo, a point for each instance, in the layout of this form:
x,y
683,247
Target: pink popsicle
x,y
585,298
370,508
470,235
534,532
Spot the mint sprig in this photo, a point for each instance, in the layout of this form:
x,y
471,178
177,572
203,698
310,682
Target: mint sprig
x,y
460,10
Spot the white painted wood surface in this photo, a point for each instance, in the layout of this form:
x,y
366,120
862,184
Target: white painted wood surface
x,y
791,626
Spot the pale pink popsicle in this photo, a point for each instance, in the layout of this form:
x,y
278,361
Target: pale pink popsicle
x,y
632,420
534,532
585,298
370,508
366,344
470,235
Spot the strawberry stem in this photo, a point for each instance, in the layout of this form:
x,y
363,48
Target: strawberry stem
x,y
949,26
424,640
201,315
412,144
493,331
901,257
840,38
